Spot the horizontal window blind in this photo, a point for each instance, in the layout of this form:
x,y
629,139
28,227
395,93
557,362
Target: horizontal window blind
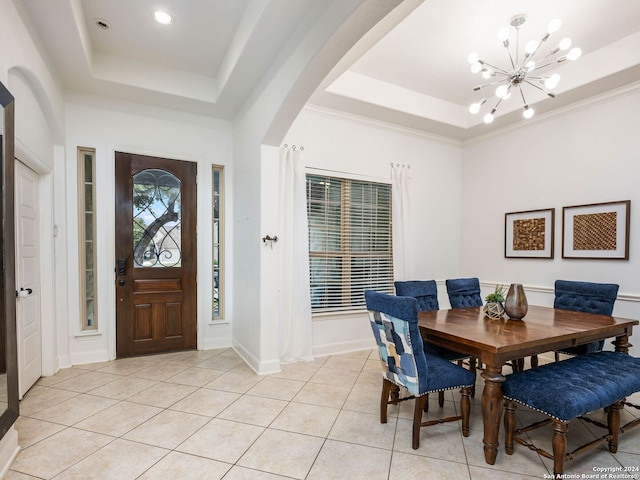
x,y
350,244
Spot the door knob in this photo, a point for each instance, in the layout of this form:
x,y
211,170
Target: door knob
x,y
24,292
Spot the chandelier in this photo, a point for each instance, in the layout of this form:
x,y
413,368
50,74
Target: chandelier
x,y
520,72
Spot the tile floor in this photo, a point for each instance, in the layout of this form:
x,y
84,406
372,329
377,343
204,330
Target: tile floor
x,y
206,415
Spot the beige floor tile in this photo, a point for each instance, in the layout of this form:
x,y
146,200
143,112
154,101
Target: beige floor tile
x,y
126,366
58,452
41,398
479,473
163,394
302,371
582,465
629,461
234,382
241,473
160,371
371,380
13,475
31,430
118,419
277,388
363,429
322,395
181,466
254,410
236,439
120,459
123,388
62,375
442,441
331,376
338,460
191,357
410,467
206,402
343,362
87,381
523,461
167,429
221,362
195,376
306,419
267,453
75,409
367,401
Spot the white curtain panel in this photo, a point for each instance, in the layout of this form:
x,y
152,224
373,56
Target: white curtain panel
x,y
295,331
401,216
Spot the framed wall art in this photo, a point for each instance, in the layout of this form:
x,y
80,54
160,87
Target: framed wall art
x,y
597,231
529,234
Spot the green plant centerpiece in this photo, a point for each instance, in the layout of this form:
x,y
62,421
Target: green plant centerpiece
x,y
494,308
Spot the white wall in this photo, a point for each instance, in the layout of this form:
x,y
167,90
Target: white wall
x,y
108,126
352,146
587,155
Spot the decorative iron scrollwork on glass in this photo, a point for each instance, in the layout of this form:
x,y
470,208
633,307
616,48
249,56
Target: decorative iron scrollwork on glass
x,y
156,219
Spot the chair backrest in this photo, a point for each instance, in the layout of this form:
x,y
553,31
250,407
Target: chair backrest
x,y
585,296
424,291
464,292
394,321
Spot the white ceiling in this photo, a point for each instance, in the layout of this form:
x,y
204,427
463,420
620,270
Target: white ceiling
x,y
218,51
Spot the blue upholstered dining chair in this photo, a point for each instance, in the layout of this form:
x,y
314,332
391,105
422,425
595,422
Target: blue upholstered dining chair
x,y
567,390
464,292
426,293
585,297
394,322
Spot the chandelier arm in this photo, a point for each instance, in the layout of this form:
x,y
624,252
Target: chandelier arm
x,y
552,95
542,66
478,87
544,39
522,95
513,64
497,69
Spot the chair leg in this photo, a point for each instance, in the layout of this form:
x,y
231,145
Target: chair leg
x,y
534,361
426,403
417,420
613,420
559,444
465,410
557,356
441,399
472,369
388,389
509,425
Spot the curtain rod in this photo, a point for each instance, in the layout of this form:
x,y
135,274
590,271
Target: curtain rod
x,y
293,147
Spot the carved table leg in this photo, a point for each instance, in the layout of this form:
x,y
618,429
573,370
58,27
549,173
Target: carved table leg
x,y
491,410
622,344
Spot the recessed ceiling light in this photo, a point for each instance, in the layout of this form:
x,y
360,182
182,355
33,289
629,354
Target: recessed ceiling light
x,y
102,24
162,17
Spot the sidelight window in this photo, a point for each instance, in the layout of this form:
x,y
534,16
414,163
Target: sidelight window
x,y
87,237
218,235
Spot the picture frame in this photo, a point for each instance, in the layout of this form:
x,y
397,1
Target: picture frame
x,y
529,234
596,231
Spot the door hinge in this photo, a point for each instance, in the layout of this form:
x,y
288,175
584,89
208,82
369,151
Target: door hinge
x,y
196,178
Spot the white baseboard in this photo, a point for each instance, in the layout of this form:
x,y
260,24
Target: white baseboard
x,y
9,449
343,347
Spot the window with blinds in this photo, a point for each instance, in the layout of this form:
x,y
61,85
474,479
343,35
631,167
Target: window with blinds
x,y
350,247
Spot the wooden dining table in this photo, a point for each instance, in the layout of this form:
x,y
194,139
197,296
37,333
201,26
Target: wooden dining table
x,y
496,342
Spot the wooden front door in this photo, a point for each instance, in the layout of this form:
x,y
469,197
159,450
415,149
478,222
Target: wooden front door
x,y
155,254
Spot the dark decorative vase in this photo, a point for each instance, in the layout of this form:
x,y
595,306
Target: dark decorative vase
x,y
515,305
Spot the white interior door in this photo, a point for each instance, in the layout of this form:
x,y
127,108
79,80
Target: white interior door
x,y
27,278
